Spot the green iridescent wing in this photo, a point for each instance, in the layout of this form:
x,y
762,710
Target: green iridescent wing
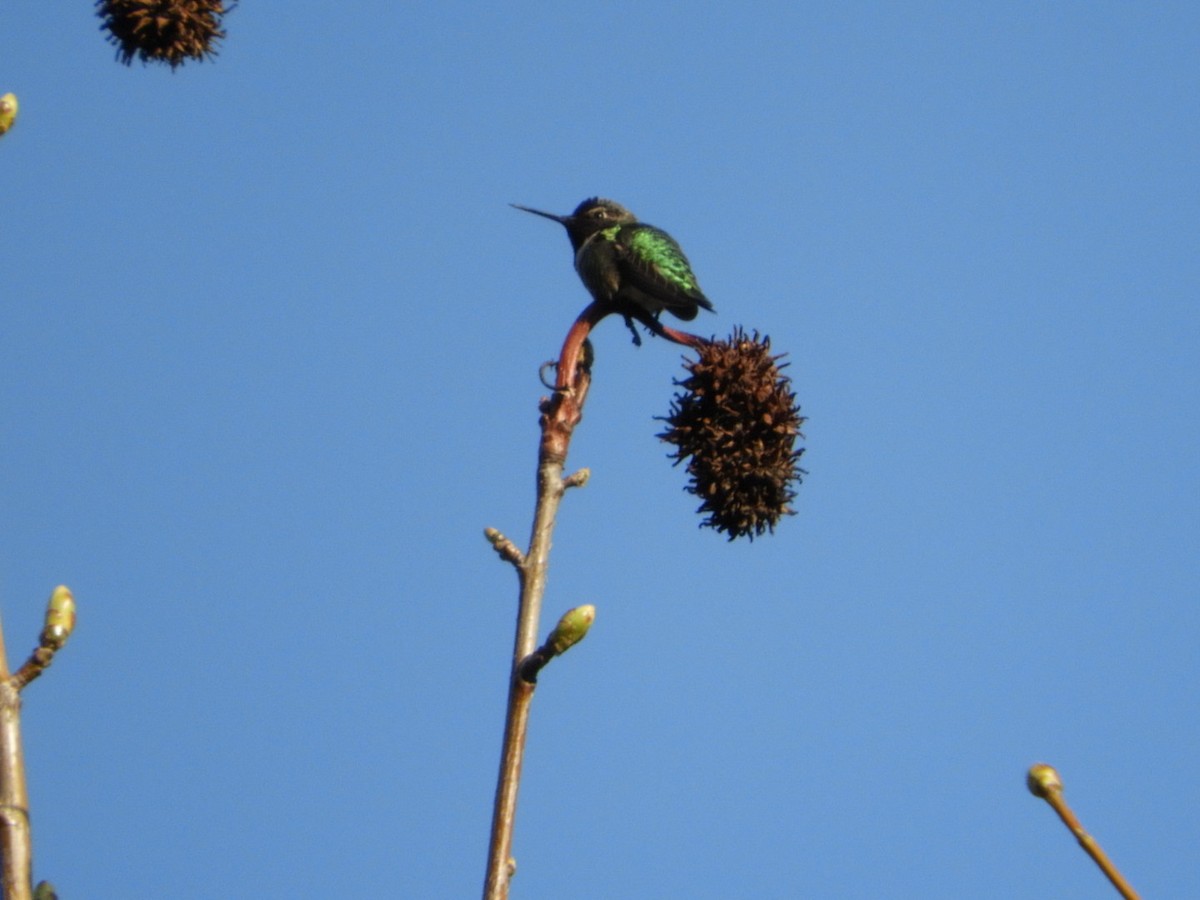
x,y
652,261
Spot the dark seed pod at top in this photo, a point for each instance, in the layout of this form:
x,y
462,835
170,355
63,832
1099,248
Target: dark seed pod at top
x,y
170,31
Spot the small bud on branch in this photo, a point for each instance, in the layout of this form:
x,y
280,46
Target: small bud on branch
x,y
570,630
8,111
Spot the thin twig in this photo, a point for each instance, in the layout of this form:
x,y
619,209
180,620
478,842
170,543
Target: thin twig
x,y
16,841
1043,781
503,546
16,846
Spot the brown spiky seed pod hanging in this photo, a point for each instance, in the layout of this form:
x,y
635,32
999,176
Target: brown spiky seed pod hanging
x,y
170,31
736,422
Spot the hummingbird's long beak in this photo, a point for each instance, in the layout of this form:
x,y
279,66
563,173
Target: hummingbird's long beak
x,y
562,220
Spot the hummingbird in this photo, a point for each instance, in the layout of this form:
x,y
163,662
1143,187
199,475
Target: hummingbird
x,y
627,264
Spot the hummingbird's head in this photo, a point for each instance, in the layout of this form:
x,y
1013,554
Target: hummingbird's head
x,y
590,216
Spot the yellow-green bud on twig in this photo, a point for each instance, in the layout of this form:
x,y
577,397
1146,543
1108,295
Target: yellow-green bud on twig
x,y
60,622
45,891
8,112
1043,780
60,618
570,630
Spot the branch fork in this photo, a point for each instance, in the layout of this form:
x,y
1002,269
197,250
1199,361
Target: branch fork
x,y
16,842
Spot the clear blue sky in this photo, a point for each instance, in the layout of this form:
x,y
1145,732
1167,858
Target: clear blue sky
x,y
269,345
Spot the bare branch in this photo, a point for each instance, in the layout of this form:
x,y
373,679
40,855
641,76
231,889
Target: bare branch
x,y
560,414
1043,782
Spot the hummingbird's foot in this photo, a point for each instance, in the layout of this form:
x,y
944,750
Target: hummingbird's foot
x,y
657,328
637,338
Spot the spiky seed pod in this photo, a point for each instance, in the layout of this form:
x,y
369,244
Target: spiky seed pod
x,y
736,423
170,31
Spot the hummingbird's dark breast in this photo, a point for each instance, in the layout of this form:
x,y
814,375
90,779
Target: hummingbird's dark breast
x,y
598,267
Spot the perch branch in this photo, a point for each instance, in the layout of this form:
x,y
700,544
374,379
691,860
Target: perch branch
x,y
560,414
